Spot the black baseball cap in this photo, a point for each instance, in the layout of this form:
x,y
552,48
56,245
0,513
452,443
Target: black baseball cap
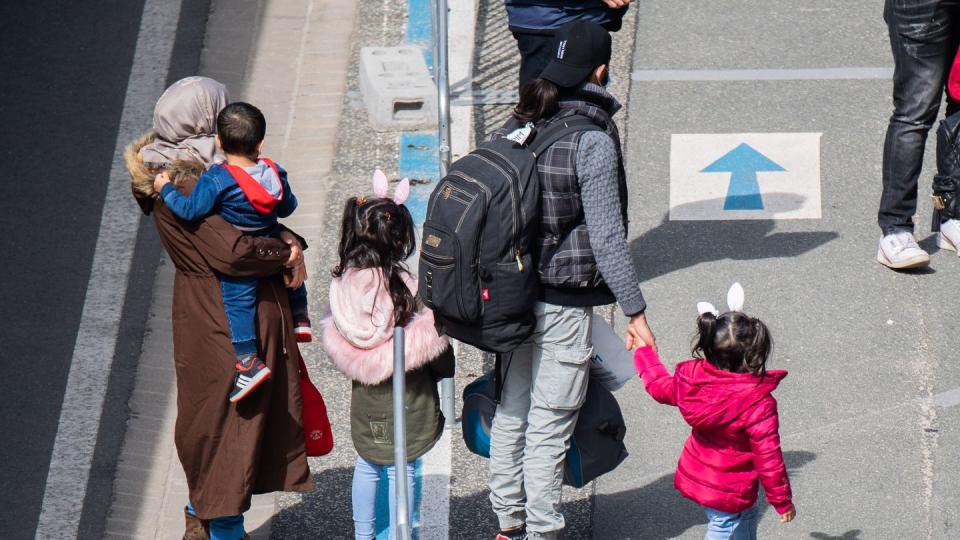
x,y
579,48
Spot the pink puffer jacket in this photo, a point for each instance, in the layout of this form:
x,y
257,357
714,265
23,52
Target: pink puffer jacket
x,y
735,437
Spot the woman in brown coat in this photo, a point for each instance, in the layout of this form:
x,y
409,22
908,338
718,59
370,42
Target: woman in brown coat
x,y
228,451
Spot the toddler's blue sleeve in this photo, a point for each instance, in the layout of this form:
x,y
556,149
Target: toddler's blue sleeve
x,y
289,202
198,205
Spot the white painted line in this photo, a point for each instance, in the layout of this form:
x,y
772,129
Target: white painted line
x,y
816,74
728,176
435,498
950,398
94,349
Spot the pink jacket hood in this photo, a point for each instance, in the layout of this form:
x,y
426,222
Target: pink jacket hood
x,y
709,397
357,333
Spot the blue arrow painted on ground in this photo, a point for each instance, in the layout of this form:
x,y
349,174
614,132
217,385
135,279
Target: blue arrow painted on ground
x,y
743,163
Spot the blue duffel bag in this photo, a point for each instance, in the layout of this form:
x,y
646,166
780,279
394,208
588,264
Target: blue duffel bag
x,y
596,447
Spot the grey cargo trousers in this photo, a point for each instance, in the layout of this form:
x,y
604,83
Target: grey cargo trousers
x,y
544,387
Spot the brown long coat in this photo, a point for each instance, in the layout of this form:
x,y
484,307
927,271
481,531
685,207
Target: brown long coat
x,y
228,452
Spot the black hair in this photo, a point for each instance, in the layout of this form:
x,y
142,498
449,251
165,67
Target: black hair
x,y
378,233
241,128
733,342
539,99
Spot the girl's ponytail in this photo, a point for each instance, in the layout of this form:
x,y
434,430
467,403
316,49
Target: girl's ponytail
x,y
706,334
378,233
539,99
348,235
758,348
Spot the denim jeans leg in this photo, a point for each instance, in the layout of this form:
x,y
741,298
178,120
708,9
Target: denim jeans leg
x,y
727,526
507,438
366,478
923,41
561,371
535,53
298,303
239,302
392,490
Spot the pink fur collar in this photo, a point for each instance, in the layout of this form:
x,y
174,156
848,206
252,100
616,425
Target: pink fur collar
x,y
357,334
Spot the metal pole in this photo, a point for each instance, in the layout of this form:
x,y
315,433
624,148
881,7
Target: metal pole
x,y
400,435
448,387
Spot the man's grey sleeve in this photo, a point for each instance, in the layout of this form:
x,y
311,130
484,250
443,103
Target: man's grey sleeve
x,y
599,193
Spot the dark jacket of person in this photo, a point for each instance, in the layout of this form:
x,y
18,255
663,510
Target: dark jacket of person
x,y
545,16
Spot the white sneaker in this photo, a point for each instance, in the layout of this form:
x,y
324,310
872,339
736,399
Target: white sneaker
x,y
900,250
949,236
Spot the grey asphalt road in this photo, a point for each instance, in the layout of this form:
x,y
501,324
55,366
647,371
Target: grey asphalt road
x,y
870,456
64,67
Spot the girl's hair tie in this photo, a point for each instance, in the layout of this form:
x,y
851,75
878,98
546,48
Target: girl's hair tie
x,y
361,200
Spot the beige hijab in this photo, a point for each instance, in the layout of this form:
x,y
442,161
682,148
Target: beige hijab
x,y
185,122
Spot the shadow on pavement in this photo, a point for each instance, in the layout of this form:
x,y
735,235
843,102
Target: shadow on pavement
x,y
675,245
657,511
849,535
331,492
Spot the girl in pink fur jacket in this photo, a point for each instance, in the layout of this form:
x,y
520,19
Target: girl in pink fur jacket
x,y
724,394
371,293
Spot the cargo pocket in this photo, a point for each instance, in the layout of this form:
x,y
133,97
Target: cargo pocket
x,y
562,379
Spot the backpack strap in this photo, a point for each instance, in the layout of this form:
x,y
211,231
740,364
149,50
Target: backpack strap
x,y
560,128
498,375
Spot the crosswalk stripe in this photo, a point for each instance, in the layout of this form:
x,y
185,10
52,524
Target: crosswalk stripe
x,y
93,352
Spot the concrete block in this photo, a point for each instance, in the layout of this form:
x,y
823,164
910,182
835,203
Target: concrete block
x,y
397,88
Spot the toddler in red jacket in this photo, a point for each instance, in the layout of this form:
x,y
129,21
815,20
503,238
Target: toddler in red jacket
x,y
724,394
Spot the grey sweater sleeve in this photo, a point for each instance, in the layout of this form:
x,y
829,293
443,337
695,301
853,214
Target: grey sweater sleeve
x,y
599,193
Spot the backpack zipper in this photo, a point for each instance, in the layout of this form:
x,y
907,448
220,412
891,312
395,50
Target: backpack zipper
x,y
514,195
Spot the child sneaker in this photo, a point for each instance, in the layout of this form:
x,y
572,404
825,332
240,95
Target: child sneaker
x,y
513,534
248,379
303,331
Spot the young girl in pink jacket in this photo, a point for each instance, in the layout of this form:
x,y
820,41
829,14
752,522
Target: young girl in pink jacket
x,y
724,394
372,292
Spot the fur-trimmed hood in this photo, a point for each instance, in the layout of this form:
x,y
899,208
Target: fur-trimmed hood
x,y
357,332
141,176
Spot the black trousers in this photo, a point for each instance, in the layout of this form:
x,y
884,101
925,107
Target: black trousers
x,y
924,35
535,53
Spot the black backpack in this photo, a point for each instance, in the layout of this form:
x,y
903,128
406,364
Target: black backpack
x,y
596,446
477,265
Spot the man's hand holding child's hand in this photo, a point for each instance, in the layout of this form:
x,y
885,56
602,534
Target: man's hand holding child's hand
x,y
160,180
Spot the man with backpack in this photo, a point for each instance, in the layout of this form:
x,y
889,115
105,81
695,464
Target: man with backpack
x,y
583,261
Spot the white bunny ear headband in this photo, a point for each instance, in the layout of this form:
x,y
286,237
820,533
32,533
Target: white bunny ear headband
x,y
380,186
734,301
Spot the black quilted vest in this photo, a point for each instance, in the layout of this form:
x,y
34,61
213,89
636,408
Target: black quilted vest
x,y
568,270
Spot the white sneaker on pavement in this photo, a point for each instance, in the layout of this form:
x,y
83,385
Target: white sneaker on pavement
x,y
900,250
949,236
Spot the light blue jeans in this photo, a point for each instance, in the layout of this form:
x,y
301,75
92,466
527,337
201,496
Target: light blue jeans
x,y
366,478
727,526
224,528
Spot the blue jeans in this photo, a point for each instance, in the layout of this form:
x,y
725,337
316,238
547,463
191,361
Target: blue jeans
x,y
223,528
240,304
727,526
366,478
